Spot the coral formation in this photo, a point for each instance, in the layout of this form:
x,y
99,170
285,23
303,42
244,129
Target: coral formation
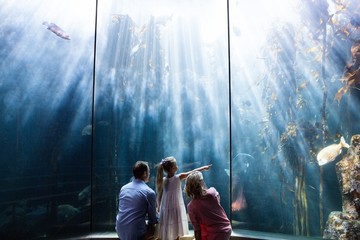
x,y
346,224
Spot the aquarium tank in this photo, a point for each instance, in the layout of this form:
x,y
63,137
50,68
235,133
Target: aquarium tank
x,y
255,88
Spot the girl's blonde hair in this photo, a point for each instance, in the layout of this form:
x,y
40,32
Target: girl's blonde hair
x,y
165,165
194,185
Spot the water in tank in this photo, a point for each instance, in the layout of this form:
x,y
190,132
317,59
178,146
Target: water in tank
x,y
255,88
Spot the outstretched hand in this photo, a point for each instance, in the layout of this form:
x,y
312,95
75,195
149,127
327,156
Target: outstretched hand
x,y
207,167
184,175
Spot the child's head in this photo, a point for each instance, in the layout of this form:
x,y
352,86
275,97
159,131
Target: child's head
x,y
194,185
168,164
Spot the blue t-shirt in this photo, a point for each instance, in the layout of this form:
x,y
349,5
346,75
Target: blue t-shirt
x,y
136,202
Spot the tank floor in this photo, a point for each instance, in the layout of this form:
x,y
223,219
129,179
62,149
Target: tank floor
x,y
237,234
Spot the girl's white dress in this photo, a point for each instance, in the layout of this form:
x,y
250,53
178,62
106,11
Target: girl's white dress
x,y
173,218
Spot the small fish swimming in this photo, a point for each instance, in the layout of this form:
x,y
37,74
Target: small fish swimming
x,y
329,153
85,193
67,211
136,48
87,130
57,30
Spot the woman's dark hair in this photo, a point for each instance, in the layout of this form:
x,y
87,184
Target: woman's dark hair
x,y
140,168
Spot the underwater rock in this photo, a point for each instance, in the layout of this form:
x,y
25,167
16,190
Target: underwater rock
x,y
340,228
346,224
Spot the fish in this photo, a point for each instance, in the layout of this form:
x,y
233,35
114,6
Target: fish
x,y
85,193
136,48
87,130
85,196
67,211
243,155
329,153
240,202
57,30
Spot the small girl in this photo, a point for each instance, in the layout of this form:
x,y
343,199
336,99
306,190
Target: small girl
x,y
173,218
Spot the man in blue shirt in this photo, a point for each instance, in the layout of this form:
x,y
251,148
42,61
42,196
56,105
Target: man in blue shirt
x,y
136,202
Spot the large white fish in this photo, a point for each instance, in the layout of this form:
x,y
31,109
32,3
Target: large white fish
x,y
329,153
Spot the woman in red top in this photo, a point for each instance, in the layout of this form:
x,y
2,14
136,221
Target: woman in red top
x,y
206,214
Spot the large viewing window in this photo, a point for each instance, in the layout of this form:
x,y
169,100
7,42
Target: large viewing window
x,y
255,88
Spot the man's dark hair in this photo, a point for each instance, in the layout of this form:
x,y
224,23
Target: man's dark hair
x,y
139,168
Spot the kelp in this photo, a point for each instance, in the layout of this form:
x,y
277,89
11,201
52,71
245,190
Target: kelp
x,y
345,23
328,30
351,78
342,24
314,16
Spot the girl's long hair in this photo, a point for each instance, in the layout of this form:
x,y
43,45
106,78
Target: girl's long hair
x,y
159,183
165,165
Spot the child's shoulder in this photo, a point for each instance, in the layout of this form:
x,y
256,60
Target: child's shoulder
x,y
171,178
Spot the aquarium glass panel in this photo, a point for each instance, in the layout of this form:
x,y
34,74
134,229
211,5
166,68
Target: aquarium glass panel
x,y
161,90
46,75
293,93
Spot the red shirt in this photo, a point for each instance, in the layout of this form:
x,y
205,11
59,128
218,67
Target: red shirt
x,y
207,215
